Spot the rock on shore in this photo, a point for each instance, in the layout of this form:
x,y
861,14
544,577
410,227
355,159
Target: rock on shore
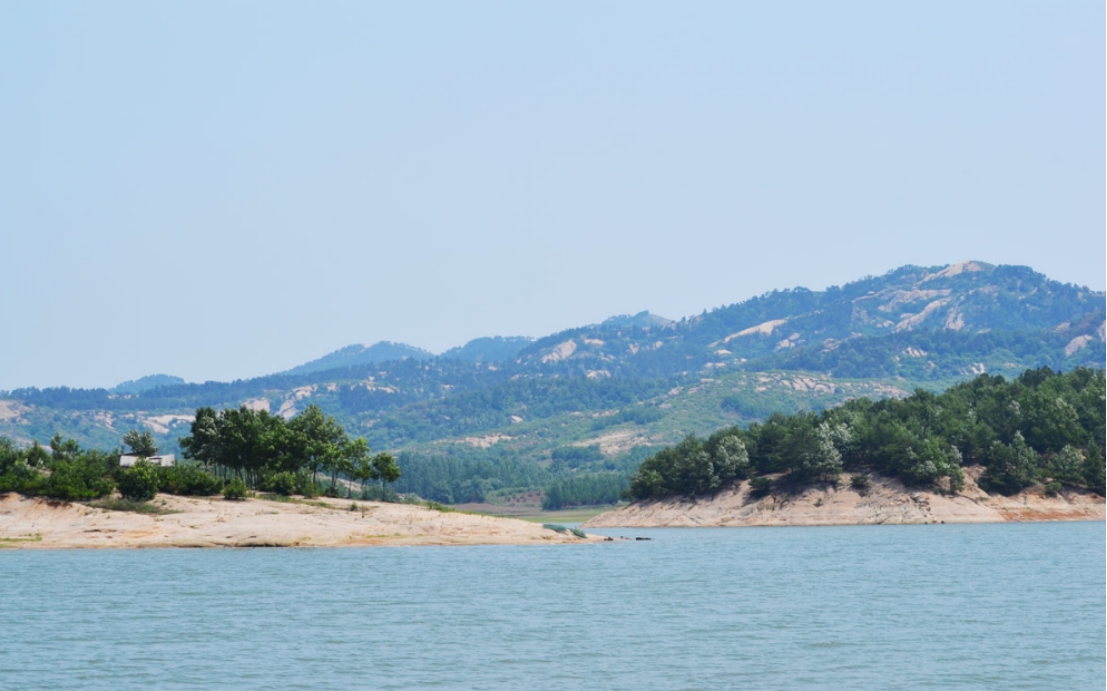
x,y
214,522
886,501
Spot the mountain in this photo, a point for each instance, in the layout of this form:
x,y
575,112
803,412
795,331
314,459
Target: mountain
x,y
915,322
150,381
642,320
358,354
502,413
489,349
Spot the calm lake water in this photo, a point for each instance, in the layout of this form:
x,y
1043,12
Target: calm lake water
x,y
1017,606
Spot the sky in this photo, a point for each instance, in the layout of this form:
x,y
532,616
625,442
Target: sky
x,y
221,190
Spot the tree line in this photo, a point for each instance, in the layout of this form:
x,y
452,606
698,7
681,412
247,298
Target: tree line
x,y
1043,427
234,449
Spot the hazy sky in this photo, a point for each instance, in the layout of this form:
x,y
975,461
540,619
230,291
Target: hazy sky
x,y
220,190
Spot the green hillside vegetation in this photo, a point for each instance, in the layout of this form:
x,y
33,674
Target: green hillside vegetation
x,y
629,386
1042,427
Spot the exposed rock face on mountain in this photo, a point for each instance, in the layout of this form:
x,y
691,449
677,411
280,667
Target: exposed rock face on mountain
x,y
885,501
960,319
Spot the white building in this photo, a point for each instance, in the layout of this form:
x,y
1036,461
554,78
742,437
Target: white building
x,y
128,460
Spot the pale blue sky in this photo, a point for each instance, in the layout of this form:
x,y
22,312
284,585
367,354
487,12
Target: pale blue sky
x,y
221,190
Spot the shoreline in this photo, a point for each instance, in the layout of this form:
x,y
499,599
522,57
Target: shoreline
x,y
885,502
209,522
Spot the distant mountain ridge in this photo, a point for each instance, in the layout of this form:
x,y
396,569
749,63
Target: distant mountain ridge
x,y
630,383
359,354
151,381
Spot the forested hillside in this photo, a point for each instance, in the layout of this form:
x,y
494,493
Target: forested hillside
x,y
1042,427
491,416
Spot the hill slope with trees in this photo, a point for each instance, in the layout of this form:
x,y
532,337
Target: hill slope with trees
x,y
630,385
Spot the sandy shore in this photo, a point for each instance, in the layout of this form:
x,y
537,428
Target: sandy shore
x,y
887,501
214,522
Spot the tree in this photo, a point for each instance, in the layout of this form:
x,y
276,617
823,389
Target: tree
x,y
386,468
139,482
141,443
318,439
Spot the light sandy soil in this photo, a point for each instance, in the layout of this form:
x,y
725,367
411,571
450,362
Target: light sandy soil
x,y
215,522
886,501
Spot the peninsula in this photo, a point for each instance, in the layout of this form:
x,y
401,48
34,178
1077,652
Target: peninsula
x,y
33,522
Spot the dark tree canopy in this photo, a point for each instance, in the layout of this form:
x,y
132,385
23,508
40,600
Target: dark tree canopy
x,y
1041,427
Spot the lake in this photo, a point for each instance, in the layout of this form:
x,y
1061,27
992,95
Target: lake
x,y
1010,606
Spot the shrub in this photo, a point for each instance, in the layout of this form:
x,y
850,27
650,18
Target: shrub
x,y
283,483
859,482
579,533
760,486
1053,489
139,482
379,493
76,479
557,528
188,480
235,489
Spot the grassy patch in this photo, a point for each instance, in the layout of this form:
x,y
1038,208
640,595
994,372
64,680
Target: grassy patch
x,y
13,541
144,507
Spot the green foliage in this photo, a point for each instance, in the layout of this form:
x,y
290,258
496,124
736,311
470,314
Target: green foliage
x,y
281,457
556,527
590,489
578,532
1024,431
639,415
144,507
284,483
187,480
139,482
760,486
576,456
859,482
141,443
466,476
236,489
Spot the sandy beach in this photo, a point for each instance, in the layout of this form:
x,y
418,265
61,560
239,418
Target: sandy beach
x,y
33,523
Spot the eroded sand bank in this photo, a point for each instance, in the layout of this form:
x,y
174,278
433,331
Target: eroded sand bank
x,y
214,522
886,501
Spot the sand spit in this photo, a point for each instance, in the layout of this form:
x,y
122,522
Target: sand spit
x,y
886,501
214,522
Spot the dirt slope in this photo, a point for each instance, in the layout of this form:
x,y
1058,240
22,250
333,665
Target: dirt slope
x,y
886,501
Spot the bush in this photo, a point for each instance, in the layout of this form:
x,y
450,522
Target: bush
x,y
139,482
859,482
235,490
283,483
578,532
188,480
77,479
1053,489
760,486
556,527
379,493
